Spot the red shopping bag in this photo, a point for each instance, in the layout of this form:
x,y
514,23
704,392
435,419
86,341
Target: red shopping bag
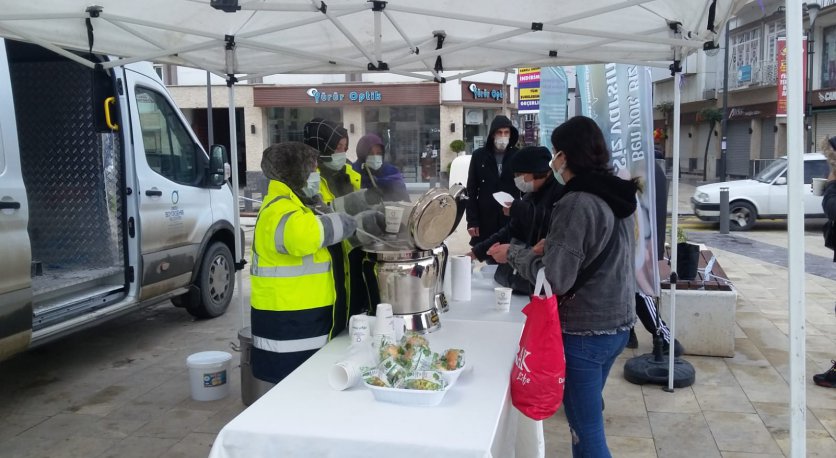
x,y
539,370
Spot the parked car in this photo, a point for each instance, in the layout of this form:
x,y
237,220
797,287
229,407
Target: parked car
x,y
762,197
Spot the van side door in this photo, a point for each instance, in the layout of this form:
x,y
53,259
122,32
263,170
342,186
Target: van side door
x,y
174,207
15,250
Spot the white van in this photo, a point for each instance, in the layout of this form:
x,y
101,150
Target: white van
x,y
107,200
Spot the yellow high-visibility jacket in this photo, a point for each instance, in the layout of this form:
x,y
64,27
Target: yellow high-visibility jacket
x,y
293,294
325,191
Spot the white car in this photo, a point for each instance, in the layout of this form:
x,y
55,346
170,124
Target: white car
x,y
762,197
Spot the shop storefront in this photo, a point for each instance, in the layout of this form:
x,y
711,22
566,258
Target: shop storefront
x,y
824,112
482,102
405,116
751,137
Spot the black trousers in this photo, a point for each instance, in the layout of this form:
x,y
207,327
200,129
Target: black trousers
x,y
646,311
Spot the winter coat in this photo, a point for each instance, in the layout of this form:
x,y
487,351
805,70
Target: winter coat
x,y
484,179
592,207
529,219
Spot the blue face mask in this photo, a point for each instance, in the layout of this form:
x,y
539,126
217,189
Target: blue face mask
x,y
374,162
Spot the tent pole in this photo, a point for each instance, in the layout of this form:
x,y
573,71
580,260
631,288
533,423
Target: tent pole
x,y
210,124
233,148
229,50
505,95
795,230
677,100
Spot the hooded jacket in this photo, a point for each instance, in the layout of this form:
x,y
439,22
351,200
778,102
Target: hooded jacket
x,y
592,207
484,179
387,178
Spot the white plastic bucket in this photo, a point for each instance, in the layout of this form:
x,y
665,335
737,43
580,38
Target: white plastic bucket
x,y
209,375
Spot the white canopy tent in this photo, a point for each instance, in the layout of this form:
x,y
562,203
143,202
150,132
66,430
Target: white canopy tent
x,y
433,40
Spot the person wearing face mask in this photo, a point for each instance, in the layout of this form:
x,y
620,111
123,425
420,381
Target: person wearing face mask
x,y
297,301
488,173
588,257
377,174
529,216
338,178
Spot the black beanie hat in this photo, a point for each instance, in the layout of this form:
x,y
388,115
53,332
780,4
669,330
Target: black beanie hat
x,y
531,159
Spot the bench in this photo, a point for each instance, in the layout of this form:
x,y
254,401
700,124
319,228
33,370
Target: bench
x,y
705,308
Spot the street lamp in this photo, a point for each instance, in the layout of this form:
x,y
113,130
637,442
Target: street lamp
x,y
812,9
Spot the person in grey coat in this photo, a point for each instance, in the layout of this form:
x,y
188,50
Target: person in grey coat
x,y
595,319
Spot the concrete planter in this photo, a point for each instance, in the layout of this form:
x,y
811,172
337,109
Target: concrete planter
x,y
705,320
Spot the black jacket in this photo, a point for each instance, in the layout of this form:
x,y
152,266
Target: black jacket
x,y
828,202
484,179
529,219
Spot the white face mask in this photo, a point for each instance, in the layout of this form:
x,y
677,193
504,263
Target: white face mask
x,y
501,143
558,174
312,186
522,185
337,161
374,162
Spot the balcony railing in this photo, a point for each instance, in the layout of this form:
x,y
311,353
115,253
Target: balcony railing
x,y
756,74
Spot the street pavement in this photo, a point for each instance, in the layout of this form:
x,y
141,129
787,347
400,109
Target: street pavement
x,y
121,389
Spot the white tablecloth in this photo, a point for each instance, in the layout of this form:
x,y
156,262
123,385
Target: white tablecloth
x,y
302,416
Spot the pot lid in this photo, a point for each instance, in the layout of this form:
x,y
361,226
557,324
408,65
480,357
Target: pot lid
x,y
432,218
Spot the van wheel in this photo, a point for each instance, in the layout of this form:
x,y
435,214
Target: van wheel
x,y
742,216
216,281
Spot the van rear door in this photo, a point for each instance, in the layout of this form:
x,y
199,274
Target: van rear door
x,y
15,251
174,209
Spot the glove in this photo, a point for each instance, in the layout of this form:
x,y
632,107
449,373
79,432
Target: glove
x,y
369,222
358,201
336,227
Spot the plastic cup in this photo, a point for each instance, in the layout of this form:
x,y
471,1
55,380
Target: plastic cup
x,y
343,375
503,298
393,215
359,328
818,186
384,324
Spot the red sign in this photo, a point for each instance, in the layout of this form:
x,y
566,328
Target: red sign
x,y
781,51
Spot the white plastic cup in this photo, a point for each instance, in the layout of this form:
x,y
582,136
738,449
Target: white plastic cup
x,y
818,186
384,324
503,298
359,328
393,215
343,375
461,267
399,324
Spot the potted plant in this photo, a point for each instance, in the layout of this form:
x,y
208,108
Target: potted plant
x,y
687,256
457,146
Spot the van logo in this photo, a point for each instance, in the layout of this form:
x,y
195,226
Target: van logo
x,y
175,197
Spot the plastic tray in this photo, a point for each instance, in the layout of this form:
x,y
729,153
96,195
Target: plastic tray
x,y
407,397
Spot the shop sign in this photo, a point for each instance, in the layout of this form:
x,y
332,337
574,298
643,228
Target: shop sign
x,y
744,73
337,96
756,111
824,98
485,93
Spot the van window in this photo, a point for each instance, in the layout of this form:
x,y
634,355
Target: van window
x,y
169,149
2,154
815,169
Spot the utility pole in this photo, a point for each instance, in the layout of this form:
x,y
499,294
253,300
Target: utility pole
x,y
723,128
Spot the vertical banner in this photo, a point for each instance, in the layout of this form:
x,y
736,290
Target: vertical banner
x,y
618,97
781,57
554,90
528,82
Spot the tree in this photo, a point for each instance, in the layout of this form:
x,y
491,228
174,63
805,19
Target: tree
x,y
713,115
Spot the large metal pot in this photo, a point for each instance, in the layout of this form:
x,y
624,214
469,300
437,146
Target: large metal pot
x,y
407,269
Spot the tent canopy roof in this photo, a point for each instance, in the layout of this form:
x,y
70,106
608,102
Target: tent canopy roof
x,y
435,37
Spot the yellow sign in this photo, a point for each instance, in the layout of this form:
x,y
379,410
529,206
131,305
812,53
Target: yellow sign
x,y
524,70
529,93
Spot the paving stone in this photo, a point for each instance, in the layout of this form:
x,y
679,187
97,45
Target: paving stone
x,y
682,435
740,432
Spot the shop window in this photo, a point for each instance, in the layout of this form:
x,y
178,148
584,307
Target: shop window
x,y
412,139
828,59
